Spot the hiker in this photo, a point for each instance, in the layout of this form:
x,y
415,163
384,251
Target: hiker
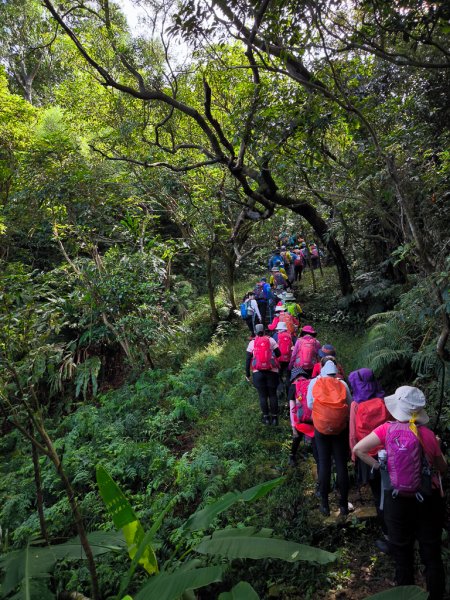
x,y
299,264
329,399
250,311
314,254
413,499
276,257
301,416
285,341
263,294
327,351
305,351
262,353
282,315
367,411
292,307
278,280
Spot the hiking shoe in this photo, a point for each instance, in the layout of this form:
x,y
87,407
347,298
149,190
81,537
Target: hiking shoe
x,y
324,509
383,546
275,420
265,420
291,461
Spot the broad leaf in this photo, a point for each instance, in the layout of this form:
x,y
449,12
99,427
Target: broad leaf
x,y
241,591
27,571
246,543
101,542
125,518
203,518
403,592
170,586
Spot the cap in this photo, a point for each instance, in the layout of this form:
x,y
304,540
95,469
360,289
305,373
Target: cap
x,y
259,328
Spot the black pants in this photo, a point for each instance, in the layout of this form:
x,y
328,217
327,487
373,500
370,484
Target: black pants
x,y
298,272
250,324
408,520
266,383
262,305
336,446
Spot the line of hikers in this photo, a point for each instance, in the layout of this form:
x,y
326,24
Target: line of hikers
x,y
385,436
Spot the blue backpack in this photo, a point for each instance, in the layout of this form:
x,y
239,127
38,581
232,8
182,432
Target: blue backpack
x,y
244,312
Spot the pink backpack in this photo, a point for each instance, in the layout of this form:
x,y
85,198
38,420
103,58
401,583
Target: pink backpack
x,y
407,465
307,354
285,346
302,414
262,355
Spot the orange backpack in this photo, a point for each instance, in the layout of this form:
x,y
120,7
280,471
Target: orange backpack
x,y
330,411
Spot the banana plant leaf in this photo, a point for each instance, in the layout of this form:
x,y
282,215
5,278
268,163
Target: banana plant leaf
x,y
27,571
203,518
170,586
124,518
241,591
404,592
248,543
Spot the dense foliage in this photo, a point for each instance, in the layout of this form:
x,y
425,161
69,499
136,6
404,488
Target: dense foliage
x,y
145,174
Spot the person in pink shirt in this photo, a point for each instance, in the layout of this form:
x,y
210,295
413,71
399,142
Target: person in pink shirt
x,y
410,515
306,349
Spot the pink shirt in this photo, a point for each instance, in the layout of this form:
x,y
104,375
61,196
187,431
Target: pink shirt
x,y
430,444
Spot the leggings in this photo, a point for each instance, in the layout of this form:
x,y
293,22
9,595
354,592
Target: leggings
x,y
336,446
266,383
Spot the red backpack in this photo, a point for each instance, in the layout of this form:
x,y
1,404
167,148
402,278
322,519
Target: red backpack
x,y
369,415
302,414
307,354
284,346
330,409
263,359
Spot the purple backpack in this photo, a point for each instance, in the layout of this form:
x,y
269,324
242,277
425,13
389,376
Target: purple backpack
x,y
408,468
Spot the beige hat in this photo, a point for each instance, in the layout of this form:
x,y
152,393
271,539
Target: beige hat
x,y
406,402
281,326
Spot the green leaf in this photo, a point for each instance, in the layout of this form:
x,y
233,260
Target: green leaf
x,y
203,518
170,586
125,518
403,592
241,591
245,543
27,570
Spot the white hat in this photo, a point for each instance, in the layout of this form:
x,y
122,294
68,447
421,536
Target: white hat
x,y
289,296
406,402
329,368
280,308
275,269
281,326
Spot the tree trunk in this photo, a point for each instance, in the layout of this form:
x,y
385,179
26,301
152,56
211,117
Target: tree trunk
x,y
39,495
230,270
209,281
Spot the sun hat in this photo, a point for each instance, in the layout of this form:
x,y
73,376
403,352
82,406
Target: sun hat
x,y
259,328
289,296
364,385
296,372
407,402
280,308
327,350
308,329
281,326
275,269
329,368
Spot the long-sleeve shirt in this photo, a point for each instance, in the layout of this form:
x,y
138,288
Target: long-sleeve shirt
x,y
254,306
310,393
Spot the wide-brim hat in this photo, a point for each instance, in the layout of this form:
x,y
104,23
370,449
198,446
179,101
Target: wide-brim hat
x,y
275,269
407,402
289,296
281,326
280,308
329,368
327,350
308,329
297,372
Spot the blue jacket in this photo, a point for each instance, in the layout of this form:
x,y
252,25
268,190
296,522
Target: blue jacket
x,y
274,259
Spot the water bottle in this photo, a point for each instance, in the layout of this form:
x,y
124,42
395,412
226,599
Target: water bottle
x,y
382,458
